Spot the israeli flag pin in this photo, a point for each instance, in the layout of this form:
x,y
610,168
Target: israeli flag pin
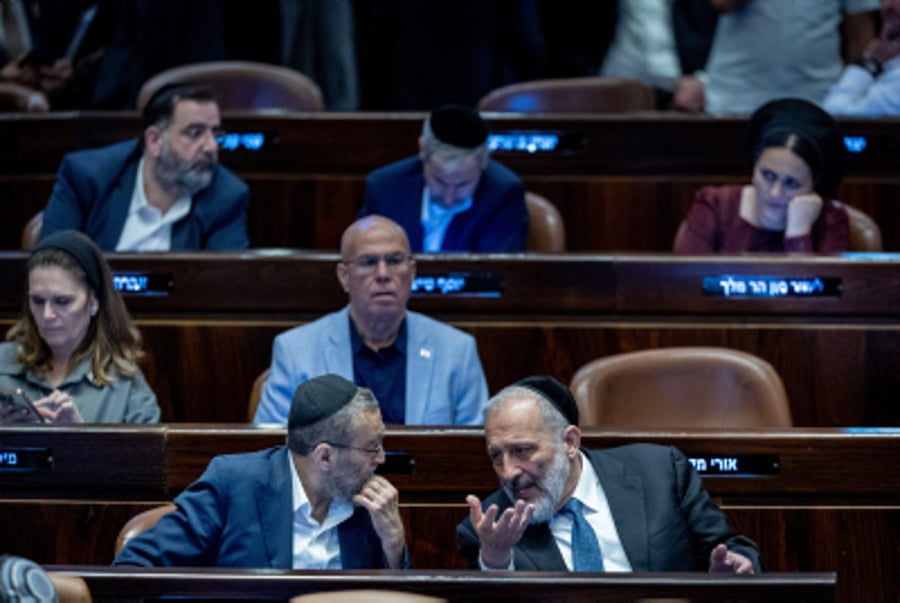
x,y
424,353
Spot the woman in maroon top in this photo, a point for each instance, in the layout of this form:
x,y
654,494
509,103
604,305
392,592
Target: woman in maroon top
x,y
798,158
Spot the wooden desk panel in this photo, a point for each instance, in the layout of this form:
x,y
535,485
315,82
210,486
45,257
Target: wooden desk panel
x,y
306,187
124,584
834,504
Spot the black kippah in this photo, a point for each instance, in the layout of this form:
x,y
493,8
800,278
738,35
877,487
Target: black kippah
x,y
459,126
807,121
82,250
554,392
319,398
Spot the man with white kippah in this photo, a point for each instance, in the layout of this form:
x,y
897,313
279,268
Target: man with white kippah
x,y
635,508
314,503
452,196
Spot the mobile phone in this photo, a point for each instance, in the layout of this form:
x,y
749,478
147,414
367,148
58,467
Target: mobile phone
x,y
10,399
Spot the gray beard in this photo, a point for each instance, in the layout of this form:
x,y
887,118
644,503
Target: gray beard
x,y
179,177
552,484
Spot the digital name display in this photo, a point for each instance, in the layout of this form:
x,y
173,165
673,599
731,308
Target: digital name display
x,y
143,285
746,286
741,465
25,460
526,141
459,284
247,141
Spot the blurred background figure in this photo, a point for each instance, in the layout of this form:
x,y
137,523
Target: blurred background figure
x,y
767,49
75,350
798,157
871,85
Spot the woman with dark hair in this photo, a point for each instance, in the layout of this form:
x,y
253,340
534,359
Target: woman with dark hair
x,y
75,350
798,157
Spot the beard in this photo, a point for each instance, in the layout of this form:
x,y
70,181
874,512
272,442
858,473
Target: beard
x,y
550,483
344,483
182,176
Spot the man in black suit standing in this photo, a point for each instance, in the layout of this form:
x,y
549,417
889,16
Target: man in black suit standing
x,y
634,508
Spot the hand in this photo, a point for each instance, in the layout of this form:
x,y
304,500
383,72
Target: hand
x,y
57,75
884,48
498,537
721,560
802,212
382,501
58,408
689,95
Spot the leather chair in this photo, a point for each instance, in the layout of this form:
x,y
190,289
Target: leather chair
x,y
31,233
368,596
256,394
16,98
571,95
243,85
681,388
865,235
546,231
140,522
70,589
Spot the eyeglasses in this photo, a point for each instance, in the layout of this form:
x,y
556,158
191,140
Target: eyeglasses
x,y
373,451
368,264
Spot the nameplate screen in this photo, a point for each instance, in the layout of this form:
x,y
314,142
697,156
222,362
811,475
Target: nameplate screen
x,y
25,460
751,286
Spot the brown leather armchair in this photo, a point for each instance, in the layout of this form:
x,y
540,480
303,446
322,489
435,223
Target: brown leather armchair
x,y
546,231
70,589
256,394
571,95
683,388
15,98
140,522
243,85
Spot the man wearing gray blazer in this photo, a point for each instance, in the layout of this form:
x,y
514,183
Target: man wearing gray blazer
x,y
422,371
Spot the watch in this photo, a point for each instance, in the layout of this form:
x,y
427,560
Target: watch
x,y
873,66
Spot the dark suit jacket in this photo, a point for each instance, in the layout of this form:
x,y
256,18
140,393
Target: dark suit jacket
x,y
93,193
496,222
664,517
238,514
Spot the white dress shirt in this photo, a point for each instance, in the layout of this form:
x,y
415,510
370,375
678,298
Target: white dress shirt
x,y
315,545
146,228
435,220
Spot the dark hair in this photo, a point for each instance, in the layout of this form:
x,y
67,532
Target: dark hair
x,y
806,130
161,107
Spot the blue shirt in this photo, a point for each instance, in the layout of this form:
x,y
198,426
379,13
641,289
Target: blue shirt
x,y
384,372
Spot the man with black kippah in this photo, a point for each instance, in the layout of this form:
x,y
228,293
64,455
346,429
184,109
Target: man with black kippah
x,y
163,192
635,508
452,196
315,503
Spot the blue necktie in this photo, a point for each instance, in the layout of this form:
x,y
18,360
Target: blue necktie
x,y
586,555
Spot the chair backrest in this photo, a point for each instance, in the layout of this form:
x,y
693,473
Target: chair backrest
x,y
243,85
16,98
369,596
865,235
31,232
70,589
140,522
546,231
681,387
571,95
256,394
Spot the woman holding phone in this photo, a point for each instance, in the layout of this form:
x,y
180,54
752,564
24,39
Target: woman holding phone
x,y
75,350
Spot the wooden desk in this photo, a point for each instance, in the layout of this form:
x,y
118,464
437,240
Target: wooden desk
x,y
622,183
211,335
832,505
123,584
